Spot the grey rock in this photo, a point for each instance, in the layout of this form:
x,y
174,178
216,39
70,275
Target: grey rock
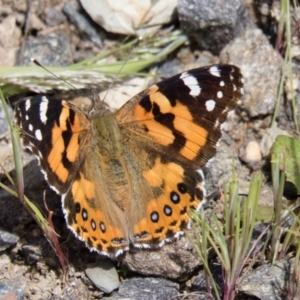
x,y
212,23
261,67
219,169
7,239
54,17
169,68
199,283
146,289
175,261
32,253
35,187
9,220
104,275
52,49
268,282
3,123
82,24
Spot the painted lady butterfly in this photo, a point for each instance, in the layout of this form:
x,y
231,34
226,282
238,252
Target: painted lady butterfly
x,y
132,177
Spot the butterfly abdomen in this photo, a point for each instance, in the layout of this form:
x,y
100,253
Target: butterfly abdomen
x,y
109,159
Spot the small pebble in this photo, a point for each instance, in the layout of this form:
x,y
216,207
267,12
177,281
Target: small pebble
x,y
252,152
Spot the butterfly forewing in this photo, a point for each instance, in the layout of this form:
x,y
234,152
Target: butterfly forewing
x,y
185,112
55,132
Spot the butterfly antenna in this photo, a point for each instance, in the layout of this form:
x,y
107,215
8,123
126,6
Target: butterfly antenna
x,y
126,61
59,78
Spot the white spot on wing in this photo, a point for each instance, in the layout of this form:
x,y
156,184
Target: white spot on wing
x,y
215,71
43,109
93,224
219,94
27,104
168,211
192,83
38,134
30,127
210,105
175,198
84,215
26,117
102,227
154,217
222,83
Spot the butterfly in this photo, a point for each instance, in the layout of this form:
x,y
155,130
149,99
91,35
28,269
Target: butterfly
x,y
131,178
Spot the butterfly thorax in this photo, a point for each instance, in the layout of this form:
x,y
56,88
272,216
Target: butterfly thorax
x,y
107,144
99,109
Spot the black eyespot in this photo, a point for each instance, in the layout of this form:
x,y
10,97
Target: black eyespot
x,y
154,217
93,224
174,197
102,227
182,188
84,214
167,210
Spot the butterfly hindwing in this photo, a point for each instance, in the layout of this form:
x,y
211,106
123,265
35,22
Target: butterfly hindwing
x,y
162,196
91,212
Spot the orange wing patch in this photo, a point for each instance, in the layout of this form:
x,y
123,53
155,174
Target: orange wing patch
x,y
90,221
183,122
58,150
169,212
